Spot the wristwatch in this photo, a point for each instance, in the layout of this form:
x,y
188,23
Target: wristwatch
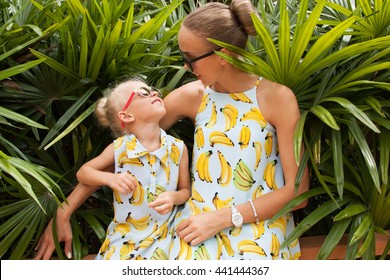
x,y
237,218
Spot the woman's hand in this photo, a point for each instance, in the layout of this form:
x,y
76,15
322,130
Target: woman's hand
x,y
201,227
46,247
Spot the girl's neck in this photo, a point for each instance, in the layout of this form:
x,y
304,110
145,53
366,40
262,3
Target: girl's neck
x,y
148,135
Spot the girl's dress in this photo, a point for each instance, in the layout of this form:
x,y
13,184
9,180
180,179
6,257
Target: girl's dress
x,y
235,158
137,231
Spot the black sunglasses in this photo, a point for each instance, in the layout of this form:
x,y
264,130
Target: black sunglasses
x,y
190,61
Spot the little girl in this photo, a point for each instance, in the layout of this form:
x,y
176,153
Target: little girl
x,y
151,173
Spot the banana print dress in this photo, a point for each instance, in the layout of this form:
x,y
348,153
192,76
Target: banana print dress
x,y
137,231
235,158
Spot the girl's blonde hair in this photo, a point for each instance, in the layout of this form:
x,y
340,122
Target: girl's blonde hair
x,y
110,104
230,24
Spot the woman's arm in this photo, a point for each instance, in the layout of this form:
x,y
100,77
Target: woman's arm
x,y
91,173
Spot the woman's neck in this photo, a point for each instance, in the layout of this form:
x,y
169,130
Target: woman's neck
x,y
237,82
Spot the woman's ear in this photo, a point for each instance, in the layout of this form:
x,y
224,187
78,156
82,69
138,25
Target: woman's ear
x,y
125,117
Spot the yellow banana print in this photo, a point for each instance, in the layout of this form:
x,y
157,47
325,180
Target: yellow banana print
x,y
219,248
204,102
185,252
130,145
194,209
126,249
175,154
139,224
122,229
117,197
138,195
162,231
269,175
231,114
258,229
110,252
235,231
202,167
226,243
240,96
257,192
131,161
201,253
167,170
226,171
254,114
118,142
196,196
245,137
213,118
275,247
242,176
159,254
105,246
280,223
268,144
199,138
145,243
151,159
258,151
249,246
219,137
221,203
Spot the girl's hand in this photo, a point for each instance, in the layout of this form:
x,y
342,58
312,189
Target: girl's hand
x,y
201,227
124,183
164,203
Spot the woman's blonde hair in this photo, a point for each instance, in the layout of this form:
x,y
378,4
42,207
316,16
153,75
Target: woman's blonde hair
x,y
230,24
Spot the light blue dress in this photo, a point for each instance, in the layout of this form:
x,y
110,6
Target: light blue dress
x,y
235,158
138,231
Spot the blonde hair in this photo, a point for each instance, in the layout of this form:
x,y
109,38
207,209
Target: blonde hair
x,y
230,24
107,107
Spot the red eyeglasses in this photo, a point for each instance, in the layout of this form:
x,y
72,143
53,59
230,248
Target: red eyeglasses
x,y
143,92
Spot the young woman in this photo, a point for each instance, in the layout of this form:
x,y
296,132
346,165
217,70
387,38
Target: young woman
x,y
243,165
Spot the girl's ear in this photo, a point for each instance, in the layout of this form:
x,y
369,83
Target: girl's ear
x,y
125,117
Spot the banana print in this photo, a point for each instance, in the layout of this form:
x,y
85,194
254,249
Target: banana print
x,y
254,114
185,252
213,118
159,254
219,137
137,231
199,138
138,195
203,104
235,158
231,114
268,144
221,203
242,176
245,137
201,253
269,175
226,171
127,248
249,246
258,150
202,167
275,246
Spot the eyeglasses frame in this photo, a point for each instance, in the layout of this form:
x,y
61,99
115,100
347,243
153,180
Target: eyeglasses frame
x,y
189,62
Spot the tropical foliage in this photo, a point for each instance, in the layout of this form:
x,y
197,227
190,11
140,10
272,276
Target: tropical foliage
x,y
58,56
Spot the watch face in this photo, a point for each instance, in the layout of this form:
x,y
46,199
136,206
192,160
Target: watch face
x,y
237,220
